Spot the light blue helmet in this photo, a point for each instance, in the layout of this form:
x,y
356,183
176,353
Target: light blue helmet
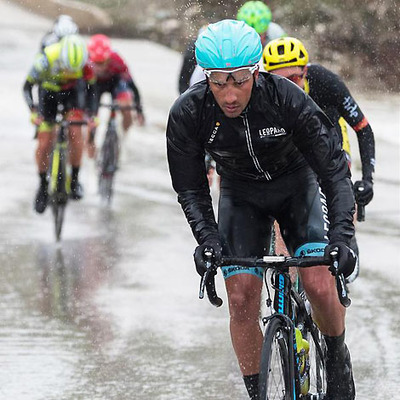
x,y
228,44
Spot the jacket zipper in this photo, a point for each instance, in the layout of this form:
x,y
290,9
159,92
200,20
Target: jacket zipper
x,y
251,150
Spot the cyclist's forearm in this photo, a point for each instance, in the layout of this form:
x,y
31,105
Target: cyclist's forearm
x,y
366,144
197,206
28,94
340,202
136,94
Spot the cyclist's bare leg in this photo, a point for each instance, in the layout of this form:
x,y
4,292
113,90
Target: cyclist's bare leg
x,y
244,296
280,249
45,140
329,315
124,99
75,138
320,287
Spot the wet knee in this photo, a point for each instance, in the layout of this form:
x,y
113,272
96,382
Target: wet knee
x,y
244,306
323,290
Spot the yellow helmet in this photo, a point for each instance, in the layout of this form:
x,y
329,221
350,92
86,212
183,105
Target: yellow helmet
x,y
284,52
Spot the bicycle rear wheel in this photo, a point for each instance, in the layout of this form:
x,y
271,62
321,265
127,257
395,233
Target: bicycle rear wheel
x,y
276,379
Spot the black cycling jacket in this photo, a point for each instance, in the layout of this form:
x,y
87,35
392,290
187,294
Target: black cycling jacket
x,y
280,130
334,98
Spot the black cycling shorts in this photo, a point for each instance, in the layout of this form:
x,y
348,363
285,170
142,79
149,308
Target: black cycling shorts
x,y
247,210
49,102
113,86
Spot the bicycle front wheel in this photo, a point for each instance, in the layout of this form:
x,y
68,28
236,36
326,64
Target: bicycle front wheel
x,y
106,187
108,165
276,378
58,211
316,360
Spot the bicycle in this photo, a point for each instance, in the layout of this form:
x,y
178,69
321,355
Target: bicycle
x,y
109,154
293,352
59,187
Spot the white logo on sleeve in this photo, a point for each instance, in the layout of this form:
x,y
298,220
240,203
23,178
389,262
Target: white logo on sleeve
x,y
350,106
273,131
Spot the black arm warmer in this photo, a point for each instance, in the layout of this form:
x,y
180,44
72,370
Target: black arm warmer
x,y
28,94
135,91
366,144
197,206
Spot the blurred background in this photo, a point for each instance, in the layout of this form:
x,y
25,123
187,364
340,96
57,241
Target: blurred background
x,y
359,39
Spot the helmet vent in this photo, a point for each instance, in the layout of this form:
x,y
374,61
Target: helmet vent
x,y
281,50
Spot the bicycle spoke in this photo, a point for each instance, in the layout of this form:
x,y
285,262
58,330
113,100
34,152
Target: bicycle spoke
x,y
275,375
276,385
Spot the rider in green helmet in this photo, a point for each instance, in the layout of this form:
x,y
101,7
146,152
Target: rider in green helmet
x,y
258,15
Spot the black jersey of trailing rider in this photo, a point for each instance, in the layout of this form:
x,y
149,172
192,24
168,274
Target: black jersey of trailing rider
x,y
334,98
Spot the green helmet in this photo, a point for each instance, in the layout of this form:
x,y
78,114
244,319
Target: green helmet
x,y
256,14
73,55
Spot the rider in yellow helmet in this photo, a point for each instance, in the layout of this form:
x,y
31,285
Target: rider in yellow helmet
x,y
64,78
288,57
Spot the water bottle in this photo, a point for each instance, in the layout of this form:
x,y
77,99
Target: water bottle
x,y
303,347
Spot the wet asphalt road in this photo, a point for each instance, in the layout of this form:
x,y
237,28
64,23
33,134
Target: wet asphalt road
x,y
112,312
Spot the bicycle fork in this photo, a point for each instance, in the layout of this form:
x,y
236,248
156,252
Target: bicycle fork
x,y
284,310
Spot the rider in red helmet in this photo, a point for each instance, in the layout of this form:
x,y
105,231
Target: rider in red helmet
x,y
113,76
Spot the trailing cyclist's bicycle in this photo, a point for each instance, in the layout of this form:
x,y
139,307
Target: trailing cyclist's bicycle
x,y
293,353
59,182
109,153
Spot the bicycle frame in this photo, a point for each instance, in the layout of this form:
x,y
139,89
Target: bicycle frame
x,y
109,155
288,308
59,181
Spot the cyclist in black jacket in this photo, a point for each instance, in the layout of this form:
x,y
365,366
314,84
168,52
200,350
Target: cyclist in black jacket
x,y
270,142
289,58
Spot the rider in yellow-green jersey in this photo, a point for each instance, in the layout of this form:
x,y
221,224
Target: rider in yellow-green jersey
x,y
64,78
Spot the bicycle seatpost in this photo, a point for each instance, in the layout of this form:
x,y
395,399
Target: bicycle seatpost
x,y
340,280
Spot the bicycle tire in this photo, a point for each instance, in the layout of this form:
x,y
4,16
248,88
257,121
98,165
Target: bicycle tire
x,y
106,188
316,362
59,193
276,378
108,165
59,211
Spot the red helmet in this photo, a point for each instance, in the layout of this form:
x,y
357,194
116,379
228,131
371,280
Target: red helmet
x,y
99,48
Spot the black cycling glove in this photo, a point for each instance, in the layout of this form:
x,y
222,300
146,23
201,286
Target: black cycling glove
x,y
363,192
212,245
346,259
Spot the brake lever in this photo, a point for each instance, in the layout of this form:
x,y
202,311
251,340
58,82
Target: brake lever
x,y
208,257
207,281
360,212
203,284
340,280
211,292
